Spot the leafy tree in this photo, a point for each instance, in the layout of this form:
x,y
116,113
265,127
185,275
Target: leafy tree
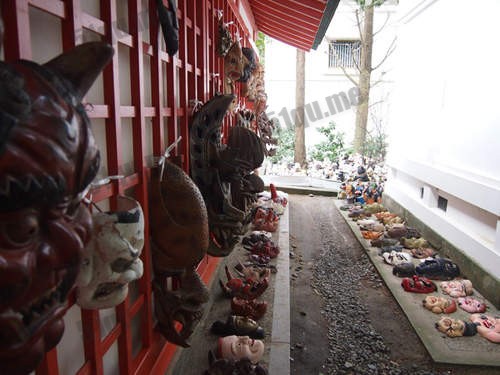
x,y
286,144
376,139
260,42
365,67
332,147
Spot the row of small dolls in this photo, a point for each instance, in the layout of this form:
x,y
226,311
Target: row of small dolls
x,y
399,246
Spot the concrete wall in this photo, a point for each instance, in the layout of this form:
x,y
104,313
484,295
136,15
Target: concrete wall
x,y
323,82
444,126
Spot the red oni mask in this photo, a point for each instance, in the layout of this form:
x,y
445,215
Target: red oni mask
x,y
48,157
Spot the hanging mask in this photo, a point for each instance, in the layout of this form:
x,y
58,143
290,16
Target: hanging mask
x,y
169,25
205,152
234,63
48,157
184,305
179,230
111,260
224,38
179,220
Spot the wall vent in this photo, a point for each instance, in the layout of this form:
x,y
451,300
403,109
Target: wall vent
x,y
442,203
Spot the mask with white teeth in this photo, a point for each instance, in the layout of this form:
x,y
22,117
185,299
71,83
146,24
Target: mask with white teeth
x,y
111,259
48,157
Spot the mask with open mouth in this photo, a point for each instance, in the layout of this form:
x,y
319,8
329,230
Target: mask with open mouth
x,y
184,305
48,157
206,151
111,259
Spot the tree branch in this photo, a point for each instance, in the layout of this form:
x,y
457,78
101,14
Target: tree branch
x,y
358,23
374,104
389,52
349,77
385,23
356,64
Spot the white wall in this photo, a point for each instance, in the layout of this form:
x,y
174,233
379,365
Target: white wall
x,y
321,81
445,121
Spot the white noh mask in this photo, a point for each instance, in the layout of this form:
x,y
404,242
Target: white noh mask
x,y
111,258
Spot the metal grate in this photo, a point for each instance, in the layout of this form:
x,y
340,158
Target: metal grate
x,y
343,54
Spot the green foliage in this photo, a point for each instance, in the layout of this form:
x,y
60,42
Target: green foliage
x,y
332,147
370,3
375,145
286,144
260,42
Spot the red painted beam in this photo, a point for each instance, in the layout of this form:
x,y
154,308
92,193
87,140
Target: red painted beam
x,y
156,82
292,25
297,14
313,11
281,34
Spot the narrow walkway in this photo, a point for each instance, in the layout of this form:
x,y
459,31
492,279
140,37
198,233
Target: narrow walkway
x,y
276,321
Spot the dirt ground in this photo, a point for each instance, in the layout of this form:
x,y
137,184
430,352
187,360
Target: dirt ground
x,y
309,341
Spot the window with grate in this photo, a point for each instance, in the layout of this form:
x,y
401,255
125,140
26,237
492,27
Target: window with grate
x,y
343,53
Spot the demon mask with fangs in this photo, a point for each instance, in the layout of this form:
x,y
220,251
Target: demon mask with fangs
x,y
183,305
179,232
206,150
48,157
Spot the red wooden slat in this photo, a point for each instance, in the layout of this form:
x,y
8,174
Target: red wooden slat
x,y
150,112
85,369
139,147
126,39
98,111
17,36
91,340
147,49
110,339
49,365
189,76
156,81
112,91
93,23
135,307
54,7
184,50
127,111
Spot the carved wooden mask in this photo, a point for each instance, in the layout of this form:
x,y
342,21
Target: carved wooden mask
x,y
48,157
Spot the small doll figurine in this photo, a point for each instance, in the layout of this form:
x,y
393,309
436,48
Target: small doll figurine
x,y
455,327
471,305
238,347
457,288
439,305
487,326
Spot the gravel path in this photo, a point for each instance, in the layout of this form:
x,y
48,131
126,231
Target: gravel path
x,y
363,330
355,347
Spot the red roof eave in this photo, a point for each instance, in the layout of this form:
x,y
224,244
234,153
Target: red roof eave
x,y
294,22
